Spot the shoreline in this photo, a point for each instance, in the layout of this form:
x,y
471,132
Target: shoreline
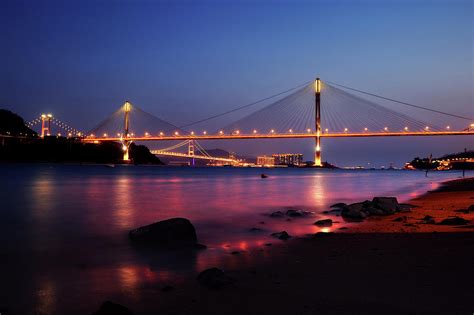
x,y
380,267
441,203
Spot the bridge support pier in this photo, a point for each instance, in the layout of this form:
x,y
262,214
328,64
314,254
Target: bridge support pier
x,y
126,156
317,153
127,107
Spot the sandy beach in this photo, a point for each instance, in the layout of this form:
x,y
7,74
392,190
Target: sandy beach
x,y
372,268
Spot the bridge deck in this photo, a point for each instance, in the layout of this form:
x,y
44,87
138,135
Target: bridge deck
x,y
284,136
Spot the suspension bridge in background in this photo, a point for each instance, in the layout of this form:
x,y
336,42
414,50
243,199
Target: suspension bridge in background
x,y
314,110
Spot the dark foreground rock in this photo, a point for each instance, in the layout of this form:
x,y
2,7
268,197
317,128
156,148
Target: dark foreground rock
x,y
277,214
171,233
214,278
323,223
111,308
427,219
454,221
283,235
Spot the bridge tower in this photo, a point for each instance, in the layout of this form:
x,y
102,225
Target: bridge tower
x,y
191,147
46,124
317,154
127,107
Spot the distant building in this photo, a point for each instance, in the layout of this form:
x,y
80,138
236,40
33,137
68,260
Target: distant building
x,y
288,159
265,160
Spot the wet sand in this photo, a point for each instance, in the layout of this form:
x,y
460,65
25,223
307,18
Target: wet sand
x,y
376,267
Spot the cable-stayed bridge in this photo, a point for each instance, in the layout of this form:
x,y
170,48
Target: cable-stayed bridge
x,y
314,110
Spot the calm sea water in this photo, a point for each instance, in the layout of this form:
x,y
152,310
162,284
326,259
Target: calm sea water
x,y
63,228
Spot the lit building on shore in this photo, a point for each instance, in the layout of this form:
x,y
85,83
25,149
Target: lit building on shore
x,y
295,159
265,160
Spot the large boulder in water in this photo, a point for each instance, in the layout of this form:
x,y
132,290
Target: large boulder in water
x,y
111,308
171,233
214,278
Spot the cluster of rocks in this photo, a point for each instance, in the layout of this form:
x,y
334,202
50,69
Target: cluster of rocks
x,y
292,213
378,206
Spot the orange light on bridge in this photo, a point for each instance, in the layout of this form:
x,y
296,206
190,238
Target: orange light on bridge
x,y
326,130
366,129
176,133
272,131
346,130
254,131
161,133
386,128
69,134
192,133
204,132
308,130
290,131
237,132
105,135
447,127
91,135
427,128
147,134
221,132
406,128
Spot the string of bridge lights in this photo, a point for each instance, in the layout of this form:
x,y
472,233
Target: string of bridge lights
x,y
254,132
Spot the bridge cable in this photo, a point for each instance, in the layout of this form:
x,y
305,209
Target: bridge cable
x,y
401,102
246,105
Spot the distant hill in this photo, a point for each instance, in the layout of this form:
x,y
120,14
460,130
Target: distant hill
x,y
459,161
12,124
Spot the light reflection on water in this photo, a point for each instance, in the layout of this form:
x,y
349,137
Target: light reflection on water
x,y
63,229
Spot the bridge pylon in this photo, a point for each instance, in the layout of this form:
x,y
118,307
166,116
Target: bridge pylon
x,y
127,107
46,124
191,150
317,153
